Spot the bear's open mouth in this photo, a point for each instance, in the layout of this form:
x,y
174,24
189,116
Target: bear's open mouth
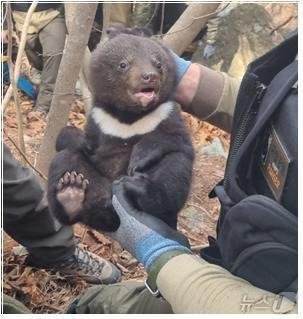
x,y
147,92
146,95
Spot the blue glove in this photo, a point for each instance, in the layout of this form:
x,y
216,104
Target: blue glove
x,y
23,83
182,66
209,51
144,236
26,86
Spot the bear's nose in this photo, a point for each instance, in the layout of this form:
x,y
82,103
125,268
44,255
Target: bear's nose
x,y
149,77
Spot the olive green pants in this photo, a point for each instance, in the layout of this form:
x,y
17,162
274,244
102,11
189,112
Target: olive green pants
x,y
13,306
44,51
44,48
128,297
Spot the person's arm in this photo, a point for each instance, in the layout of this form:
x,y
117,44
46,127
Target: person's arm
x,y
192,285
208,95
188,283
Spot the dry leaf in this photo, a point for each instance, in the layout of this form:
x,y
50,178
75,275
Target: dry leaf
x,y
34,116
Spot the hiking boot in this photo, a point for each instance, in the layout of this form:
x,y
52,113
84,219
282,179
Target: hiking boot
x,y
87,266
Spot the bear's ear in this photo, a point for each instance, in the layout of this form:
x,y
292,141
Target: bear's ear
x,y
141,32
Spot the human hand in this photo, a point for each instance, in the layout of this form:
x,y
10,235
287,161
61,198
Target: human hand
x,y
181,64
144,236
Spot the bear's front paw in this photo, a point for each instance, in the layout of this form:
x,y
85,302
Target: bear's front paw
x,y
71,194
136,184
143,192
143,161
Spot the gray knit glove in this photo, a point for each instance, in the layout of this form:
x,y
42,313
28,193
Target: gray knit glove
x,y
144,236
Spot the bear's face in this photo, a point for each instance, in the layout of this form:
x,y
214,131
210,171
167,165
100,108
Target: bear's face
x,y
131,73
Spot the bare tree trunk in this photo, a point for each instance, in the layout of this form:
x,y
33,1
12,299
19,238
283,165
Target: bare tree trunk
x,y
86,93
66,80
190,23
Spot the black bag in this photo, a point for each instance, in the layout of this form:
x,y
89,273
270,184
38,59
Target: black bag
x,y
257,231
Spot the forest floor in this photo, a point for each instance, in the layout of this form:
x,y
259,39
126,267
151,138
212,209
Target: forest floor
x,y
48,292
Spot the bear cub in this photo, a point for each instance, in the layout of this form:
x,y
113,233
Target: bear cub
x,y
134,134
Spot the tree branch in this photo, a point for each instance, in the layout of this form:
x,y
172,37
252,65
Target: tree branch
x,y
25,157
13,80
28,17
190,23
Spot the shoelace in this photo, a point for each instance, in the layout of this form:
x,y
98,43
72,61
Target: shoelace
x,y
85,260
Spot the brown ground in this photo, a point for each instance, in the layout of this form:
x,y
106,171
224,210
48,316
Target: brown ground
x,y
46,292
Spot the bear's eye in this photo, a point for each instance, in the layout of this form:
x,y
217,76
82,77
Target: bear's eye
x,y
123,65
158,65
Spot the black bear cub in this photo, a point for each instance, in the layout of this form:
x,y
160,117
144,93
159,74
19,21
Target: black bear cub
x,y
134,133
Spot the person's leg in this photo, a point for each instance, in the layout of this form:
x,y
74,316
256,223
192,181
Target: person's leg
x,y
26,217
33,51
129,297
13,306
52,39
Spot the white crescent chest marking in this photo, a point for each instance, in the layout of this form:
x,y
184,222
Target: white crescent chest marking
x,y
111,126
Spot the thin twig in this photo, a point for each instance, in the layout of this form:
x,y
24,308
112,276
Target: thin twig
x,y
12,285
25,157
83,235
50,55
47,305
3,18
197,248
153,15
203,209
27,21
162,17
94,28
132,262
125,270
13,80
281,25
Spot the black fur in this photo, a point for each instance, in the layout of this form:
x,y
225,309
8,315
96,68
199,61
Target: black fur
x,y
156,167
69,137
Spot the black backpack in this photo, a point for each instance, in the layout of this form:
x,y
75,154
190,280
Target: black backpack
x,y
257,231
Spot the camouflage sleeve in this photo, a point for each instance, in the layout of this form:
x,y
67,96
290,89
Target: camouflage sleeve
x,y
191,285
213,23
